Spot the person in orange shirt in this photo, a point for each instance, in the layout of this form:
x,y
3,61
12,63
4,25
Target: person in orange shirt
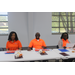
x,y
62,45
63,41
13,43
37,43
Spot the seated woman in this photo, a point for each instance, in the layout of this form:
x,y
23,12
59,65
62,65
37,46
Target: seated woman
x,y
62,44
63,41
13,42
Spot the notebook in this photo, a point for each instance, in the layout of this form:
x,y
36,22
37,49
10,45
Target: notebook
x,y
63,50
9,52
64,54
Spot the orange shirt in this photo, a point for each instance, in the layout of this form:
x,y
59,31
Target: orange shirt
x,y
13,45
37,44
65,42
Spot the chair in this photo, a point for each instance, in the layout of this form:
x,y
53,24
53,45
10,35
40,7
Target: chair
x,y
1,49
57,46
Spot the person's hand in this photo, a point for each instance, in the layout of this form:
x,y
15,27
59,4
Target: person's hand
x,y
67,47
29,49
7,50
73,46
64,47
43,47
20,48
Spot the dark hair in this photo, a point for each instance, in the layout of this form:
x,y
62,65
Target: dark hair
x,y
37,34
63,35
16,37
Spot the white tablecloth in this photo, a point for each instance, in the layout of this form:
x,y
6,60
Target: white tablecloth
x,y
30,56
71,55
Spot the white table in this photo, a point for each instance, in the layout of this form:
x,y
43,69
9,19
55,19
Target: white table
x,y
29,56
71,55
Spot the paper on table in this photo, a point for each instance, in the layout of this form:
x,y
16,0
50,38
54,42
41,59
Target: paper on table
x,y
43,49
50,49
9,52
70,44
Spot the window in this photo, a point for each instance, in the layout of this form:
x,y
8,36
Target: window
x,y
63,22
3,23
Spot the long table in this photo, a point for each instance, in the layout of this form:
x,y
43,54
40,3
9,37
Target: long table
x,y
33,55
29,56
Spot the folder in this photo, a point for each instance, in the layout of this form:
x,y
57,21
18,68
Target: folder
x,y
42,49
9,52
64,54
63,50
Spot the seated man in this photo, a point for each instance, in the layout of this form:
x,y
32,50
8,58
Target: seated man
x,y
37,43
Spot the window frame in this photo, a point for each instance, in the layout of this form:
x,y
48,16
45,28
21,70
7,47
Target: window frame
x,y
65,22
4,27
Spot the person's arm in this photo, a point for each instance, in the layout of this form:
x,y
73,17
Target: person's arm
x,y
20,48
69,42
30,46
60,44
7,46
20,45
74,46
44,45
7,50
